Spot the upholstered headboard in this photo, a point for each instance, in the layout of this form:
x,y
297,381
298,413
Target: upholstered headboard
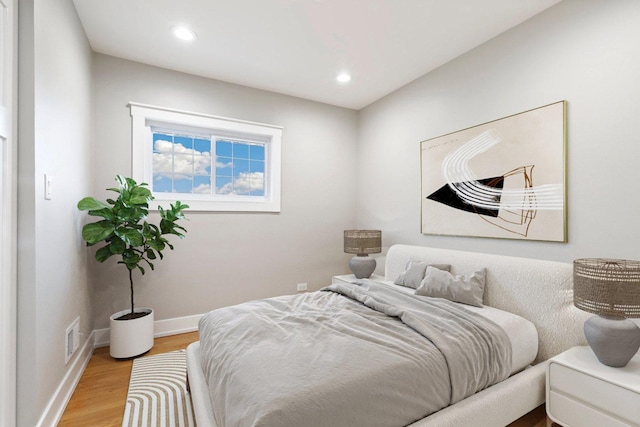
x,y
540,291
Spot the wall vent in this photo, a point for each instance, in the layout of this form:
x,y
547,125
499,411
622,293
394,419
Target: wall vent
x,y
72,339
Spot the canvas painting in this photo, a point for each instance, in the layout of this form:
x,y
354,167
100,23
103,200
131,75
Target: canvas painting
x,y
502,179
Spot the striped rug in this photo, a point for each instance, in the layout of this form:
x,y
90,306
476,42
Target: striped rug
x,y
158,395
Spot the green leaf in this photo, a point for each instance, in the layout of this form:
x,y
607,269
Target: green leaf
x,y
130,236
151,254
157,244
103,254
130,182
140,196
132,214
106,213
123,182
117,245
131,259
97,231
90,204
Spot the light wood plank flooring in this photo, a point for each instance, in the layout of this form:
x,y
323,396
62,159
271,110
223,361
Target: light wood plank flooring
x,y
99,398
101,394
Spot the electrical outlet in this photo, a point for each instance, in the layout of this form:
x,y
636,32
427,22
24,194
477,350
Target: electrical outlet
x,y
71,339
302,287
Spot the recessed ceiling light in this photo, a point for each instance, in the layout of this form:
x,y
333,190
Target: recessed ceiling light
x,y
183,33
343,77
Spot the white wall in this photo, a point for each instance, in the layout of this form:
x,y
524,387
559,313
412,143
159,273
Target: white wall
x,y
227,258
54,136
585,52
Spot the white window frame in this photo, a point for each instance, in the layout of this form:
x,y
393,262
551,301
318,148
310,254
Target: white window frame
x,y
145,117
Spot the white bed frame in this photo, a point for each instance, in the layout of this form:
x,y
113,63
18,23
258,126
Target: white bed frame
x,y
540,291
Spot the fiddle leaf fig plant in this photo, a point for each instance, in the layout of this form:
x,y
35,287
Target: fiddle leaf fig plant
x,y
125,230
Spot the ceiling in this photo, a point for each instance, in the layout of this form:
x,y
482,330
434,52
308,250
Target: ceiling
x,y
298,47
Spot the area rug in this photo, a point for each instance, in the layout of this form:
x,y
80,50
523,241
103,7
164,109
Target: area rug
x,y
158,395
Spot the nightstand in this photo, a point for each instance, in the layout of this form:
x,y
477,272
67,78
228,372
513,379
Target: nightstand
x,y
349,278
582,392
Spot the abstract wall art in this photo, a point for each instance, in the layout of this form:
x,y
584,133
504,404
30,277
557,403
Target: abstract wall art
x,y
502,179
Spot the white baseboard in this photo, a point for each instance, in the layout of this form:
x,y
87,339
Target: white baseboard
x,y
55,408
100,338
161,328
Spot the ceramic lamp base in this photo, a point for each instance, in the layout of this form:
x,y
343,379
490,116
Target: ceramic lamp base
x,y
614,341
362,266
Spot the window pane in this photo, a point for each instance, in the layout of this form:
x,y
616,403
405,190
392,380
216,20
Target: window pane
x,y
183,166
161,184
256,184
162,164
256,166
202,146
202,165
184,141
162,143
182,185
224,166
259,192
202,185
224,185
224,148
256,152
240,150
240,167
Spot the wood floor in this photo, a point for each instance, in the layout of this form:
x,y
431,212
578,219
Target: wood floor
x,y
100,396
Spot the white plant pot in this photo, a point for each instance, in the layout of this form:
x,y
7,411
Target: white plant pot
x,y
130,338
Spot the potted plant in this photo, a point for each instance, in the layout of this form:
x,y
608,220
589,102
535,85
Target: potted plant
x,y
126,233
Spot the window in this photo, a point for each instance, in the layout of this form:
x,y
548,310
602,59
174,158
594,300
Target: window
x,y
210,163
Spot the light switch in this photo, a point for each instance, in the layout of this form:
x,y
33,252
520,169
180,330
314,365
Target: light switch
x,y
47,186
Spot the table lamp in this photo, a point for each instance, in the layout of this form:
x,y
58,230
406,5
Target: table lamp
x,y
362,243
609,288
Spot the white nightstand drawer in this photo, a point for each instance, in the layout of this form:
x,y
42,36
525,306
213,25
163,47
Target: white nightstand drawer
x,y
572,413
596,393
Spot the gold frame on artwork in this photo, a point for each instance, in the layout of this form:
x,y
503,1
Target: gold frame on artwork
x,y
502,179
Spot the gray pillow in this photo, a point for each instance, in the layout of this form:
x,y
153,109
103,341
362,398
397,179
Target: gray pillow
x,y
467,289
414,273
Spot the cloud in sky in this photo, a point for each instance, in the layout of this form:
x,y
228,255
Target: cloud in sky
x,y
183,163
245,183
202,189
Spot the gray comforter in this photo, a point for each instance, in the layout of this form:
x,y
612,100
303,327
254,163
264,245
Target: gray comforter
x,y
350,355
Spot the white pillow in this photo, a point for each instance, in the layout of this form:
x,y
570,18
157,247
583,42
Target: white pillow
x,y
466,289
414,273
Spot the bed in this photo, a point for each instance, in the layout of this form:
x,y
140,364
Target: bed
x,y
535,291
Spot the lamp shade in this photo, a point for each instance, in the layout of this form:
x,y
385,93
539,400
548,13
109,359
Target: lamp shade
x,y
362,242
608,287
